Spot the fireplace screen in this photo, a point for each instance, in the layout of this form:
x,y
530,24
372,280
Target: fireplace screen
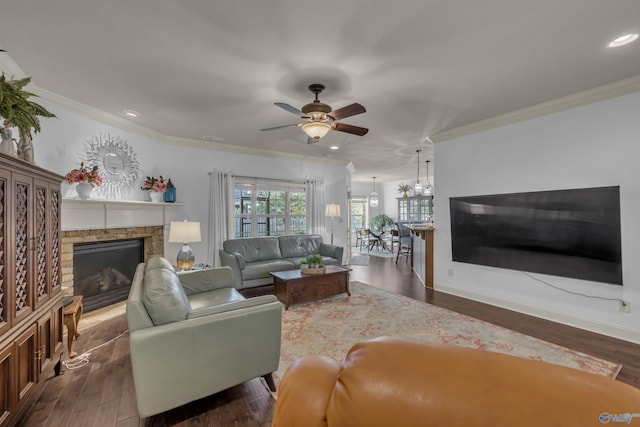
x,y
103,271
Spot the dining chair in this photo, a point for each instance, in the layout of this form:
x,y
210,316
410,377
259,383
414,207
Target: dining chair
x,y
405,247
362,238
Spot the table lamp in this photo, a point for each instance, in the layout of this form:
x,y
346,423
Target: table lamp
x,y
185,232
332,210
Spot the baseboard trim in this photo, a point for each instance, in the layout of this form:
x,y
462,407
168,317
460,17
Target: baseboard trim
x,y
574,321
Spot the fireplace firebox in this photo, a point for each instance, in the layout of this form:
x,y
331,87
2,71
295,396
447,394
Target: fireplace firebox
x,y
103,270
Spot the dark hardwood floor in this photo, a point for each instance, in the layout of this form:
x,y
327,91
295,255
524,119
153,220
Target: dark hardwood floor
x,y
102,394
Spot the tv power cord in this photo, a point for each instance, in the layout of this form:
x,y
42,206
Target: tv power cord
x,y
83,359
621,301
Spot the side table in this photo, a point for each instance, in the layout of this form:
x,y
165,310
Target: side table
x,y
71,315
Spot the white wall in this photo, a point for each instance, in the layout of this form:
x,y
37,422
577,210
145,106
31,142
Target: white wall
x,y
60,146
590,146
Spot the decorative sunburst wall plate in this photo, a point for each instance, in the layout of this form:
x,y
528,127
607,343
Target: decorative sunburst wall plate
x,y
116,162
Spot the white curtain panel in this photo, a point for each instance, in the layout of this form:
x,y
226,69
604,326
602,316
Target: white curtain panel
x,y
220,213
315,206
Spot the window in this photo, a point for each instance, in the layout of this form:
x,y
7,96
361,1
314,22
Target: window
x,y
358,213
269,208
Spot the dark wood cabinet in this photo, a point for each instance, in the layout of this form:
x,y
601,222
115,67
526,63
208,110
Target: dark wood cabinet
x,y
30,284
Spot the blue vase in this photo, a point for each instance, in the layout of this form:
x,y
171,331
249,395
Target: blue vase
x,y
170,193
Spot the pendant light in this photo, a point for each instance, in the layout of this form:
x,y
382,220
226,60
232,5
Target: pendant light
x,y
417,189
428,189
373,197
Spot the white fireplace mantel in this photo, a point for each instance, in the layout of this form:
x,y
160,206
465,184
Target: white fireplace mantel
x,y
96,214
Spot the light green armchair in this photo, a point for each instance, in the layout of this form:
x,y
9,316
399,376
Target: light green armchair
x,y
192,335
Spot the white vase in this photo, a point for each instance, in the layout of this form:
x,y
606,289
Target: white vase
x,y
84,190
156,196
7,146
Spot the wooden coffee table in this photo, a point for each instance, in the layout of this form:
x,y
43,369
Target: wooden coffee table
x,y
293,287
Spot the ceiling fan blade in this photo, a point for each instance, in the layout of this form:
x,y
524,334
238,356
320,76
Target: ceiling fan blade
x,y
348,111
283,126
356,130
311,140
289,108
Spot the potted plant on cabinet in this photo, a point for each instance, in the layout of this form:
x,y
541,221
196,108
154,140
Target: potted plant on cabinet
x,y
18,111
403,188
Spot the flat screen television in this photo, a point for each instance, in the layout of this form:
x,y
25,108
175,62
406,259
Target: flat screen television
x,y
570,233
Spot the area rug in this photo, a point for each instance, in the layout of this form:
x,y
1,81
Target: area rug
x,y
376,252
330,327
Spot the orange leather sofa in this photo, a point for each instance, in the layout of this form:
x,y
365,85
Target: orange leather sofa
x,y
391,382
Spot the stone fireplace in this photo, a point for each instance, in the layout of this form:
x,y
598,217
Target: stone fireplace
x,y
91,221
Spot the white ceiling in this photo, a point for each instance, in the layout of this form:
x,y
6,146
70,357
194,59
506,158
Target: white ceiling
x,y
420,67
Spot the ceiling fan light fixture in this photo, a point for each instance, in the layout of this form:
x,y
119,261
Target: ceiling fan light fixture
x,y
316,130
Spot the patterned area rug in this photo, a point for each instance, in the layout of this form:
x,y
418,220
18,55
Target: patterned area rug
x,y
331,326
376,252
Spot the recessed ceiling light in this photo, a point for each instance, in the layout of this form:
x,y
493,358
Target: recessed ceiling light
x,y
623,40
334,147
131,113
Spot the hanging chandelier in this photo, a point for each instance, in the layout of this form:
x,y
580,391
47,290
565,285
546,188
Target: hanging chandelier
x,y
373,197
428,189
417,189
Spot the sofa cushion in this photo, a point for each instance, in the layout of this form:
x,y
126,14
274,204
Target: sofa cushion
x,y
254,249
215,297
325,261
299,246
257,270
163,296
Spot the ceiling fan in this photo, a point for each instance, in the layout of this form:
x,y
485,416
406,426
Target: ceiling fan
x,y
321,118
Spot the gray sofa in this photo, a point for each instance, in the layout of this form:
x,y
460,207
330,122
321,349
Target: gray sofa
x,y
253,259
192,335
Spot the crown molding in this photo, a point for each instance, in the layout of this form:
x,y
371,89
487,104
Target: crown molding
x,y
125,124
351,168
10,68
600,93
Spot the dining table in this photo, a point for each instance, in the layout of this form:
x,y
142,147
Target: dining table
x,y
378,240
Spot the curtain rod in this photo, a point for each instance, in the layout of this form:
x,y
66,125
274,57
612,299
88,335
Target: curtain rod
x,y
270,179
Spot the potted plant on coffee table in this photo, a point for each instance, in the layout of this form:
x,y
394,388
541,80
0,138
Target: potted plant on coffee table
x,y
311,264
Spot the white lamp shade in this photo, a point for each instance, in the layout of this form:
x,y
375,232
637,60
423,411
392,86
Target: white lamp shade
x,y
184,232
332,210
316,130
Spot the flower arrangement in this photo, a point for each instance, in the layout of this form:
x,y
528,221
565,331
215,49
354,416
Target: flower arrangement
x,y
157,185
85,174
